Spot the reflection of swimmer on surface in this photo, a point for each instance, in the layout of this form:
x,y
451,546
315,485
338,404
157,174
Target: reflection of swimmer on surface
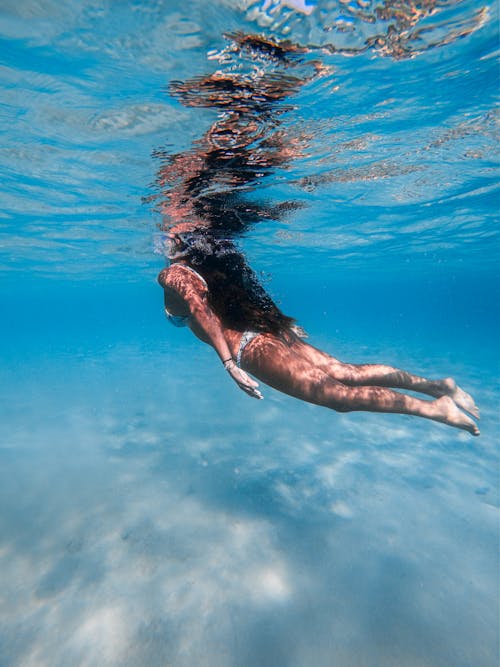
x,y
210,287
218,297
205,187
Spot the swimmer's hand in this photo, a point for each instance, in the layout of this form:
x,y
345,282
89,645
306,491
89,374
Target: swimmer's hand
x,y
243,380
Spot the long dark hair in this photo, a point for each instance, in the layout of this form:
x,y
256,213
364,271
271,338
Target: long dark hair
x,y
235,293
207,188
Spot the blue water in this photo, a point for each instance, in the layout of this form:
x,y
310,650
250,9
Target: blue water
x,y
152,514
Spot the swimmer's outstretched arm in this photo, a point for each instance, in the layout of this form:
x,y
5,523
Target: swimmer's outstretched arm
x,y
204,318
204,323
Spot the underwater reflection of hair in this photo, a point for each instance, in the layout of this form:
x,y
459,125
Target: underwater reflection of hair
x,y
208,185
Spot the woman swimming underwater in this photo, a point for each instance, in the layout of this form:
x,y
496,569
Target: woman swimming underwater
x,y
209,288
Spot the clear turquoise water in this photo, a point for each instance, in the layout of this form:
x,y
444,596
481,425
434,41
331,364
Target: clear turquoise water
x,y
152,514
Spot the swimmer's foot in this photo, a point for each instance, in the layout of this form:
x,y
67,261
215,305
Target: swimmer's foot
x,y
461,397
448,412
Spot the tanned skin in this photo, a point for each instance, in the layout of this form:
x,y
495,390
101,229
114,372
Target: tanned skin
x,y
300,370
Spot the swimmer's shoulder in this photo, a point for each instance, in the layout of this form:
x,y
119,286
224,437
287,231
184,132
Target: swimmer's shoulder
x,y
181,277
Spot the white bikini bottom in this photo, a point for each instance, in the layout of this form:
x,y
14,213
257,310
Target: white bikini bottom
x,y
245,339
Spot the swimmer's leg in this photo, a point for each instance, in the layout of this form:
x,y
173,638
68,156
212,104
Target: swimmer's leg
x,y
381,399
279,366
382,375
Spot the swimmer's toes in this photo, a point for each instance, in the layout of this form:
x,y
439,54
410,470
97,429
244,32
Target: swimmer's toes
x,y
475,412
472,428
462,398
466,402
468,425
450,414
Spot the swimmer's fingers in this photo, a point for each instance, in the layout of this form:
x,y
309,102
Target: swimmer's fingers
x,y
251,391
244,381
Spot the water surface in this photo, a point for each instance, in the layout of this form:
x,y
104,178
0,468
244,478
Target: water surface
x,y
152,514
